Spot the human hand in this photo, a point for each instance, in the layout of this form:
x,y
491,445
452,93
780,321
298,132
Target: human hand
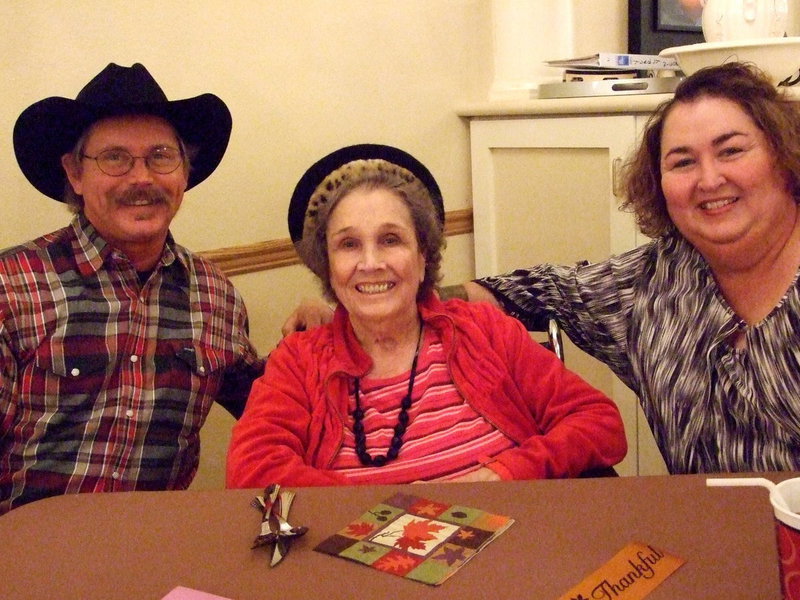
x,y
482,474
478,293
311,313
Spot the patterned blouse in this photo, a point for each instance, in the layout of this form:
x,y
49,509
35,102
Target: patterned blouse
x,y
446,436
105,380
656,316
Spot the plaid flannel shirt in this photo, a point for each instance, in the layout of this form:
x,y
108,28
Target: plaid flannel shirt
x,y
105,381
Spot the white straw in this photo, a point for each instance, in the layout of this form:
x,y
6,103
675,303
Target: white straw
x,y
748,481
739,481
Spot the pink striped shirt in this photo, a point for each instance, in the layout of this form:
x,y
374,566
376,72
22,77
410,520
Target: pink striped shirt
x,y
445,438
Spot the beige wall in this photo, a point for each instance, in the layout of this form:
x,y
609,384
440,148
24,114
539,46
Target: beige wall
x,y
301,77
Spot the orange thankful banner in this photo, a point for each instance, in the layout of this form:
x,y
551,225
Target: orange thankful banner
x,y
634,572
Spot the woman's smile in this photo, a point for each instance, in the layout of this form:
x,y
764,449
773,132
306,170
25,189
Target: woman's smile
x,y
720,203
375,288
375,263
724,192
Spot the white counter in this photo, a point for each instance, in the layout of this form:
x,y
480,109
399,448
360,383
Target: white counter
x,y
629,103
623,103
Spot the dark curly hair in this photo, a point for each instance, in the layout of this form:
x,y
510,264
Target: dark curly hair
x,y
430,236
777,116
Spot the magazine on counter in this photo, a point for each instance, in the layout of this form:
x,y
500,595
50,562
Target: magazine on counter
x,y
612,60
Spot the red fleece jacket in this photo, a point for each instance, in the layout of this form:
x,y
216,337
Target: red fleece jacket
x,y
293,424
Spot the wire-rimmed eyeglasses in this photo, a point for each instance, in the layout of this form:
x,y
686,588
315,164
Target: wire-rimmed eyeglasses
x,y
117,161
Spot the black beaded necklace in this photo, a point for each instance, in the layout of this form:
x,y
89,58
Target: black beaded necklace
x,y
402,421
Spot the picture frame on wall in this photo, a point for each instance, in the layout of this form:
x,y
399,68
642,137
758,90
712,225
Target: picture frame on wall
x,y
657,24
679,15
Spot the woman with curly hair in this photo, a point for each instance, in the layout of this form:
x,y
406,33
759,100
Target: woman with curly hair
x,y
702,322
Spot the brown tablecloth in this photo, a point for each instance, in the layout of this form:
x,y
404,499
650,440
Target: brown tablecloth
x,y
141,545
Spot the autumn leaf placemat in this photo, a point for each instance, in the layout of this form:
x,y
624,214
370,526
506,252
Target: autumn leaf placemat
x,y
416,538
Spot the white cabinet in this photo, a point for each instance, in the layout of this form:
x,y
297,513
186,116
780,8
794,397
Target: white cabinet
x,y
543,191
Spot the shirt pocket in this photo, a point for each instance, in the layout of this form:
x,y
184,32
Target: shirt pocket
x,y
193,365
66,372
202,359
72,357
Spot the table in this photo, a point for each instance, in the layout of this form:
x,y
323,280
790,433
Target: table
x,y
140,545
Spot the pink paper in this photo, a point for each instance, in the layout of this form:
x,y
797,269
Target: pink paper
x,y
184,593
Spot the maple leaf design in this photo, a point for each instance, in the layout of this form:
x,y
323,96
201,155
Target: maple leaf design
x,y
358,530
465,534
422,529
416,533
407,543
395,563
366,549
451,555
428,509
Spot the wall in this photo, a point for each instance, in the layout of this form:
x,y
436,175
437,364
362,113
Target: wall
x,y
301,77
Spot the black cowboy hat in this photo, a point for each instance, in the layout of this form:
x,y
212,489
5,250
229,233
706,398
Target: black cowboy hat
x,y
325,166
50,128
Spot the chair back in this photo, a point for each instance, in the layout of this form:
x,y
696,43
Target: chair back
x,y
554,340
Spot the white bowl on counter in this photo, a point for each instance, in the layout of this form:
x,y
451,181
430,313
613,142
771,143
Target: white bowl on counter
x,y
779,58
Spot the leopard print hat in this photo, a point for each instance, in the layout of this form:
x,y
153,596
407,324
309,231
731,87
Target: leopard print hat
x,y
348,163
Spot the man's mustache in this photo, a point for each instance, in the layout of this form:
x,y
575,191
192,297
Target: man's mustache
x,y
142,195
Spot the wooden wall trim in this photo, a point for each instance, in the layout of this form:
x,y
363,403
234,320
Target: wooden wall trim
x,y
273,254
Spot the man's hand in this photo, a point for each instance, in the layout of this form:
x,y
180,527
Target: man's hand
x,y
311,313
469,291
478,293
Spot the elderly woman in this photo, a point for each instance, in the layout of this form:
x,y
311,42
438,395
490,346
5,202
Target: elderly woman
x,y
702,323
401,387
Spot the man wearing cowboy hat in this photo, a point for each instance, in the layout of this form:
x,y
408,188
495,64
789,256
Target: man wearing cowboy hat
x,y
115,340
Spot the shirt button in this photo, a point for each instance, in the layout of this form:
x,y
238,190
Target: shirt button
x,y
134,358
75,372
115,475
201,369
129,413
